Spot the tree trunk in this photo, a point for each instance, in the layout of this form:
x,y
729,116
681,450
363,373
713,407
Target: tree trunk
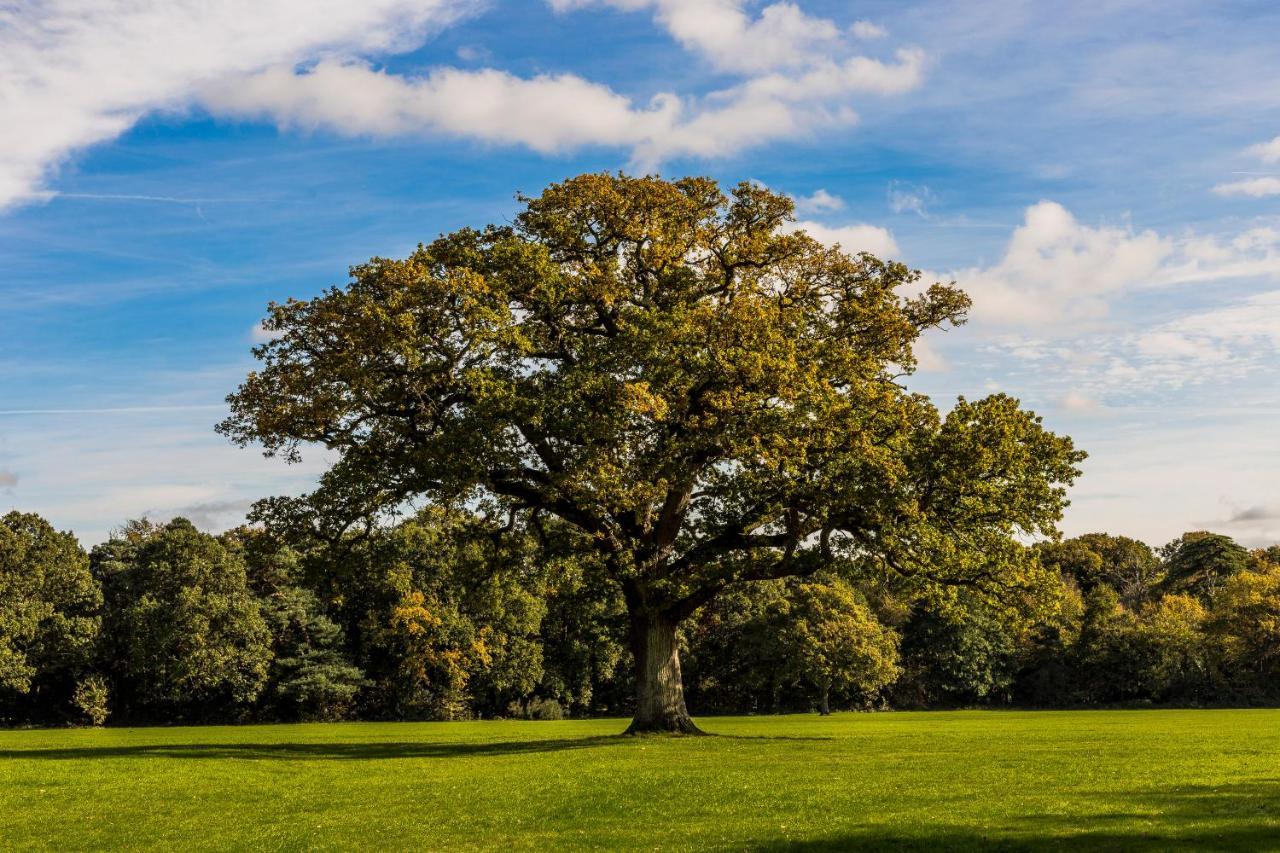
x,y
824,708
659,688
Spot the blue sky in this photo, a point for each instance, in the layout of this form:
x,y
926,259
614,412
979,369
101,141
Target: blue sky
x,y
1104,179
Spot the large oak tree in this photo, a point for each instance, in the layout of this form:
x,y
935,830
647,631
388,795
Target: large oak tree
x,y
707,395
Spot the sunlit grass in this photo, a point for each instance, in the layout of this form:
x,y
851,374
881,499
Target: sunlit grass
x,y
1145,780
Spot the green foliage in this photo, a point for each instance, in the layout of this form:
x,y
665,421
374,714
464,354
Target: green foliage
x,y
1107,663
1174,653
786,645
1126,565
835,642
544,709
310,677
1245,621
586,665
1199,563
450,616
49,617
735,660
958,649
186,635
453,614
92,698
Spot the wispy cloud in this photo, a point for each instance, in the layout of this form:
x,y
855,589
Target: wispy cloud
x,y
554,113
210,516
1267,152
1255,513
867,30
1079,403
1057,274
1252,187
75,73
164,199
908,198
820,201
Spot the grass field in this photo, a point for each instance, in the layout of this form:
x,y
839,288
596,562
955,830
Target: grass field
x,y
1136,780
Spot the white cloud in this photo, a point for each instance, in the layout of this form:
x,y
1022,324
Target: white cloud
x,y
820,202
868,30
259,334
1252,187
831,78
1079,403
74,73
1232,338
928,358
1267,152
8,479
546,113
471,53
553,113
91,471
904,198
1055,269
853,238
1058,275
782,36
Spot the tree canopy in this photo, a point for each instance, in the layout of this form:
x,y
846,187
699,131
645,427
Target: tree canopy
x,y
708,396
186,632
48,608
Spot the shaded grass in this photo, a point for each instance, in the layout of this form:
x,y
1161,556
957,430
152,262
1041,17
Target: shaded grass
x,y
1124,780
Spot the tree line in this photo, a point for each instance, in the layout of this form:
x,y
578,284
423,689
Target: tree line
x,y
449,615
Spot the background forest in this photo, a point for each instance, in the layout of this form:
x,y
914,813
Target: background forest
x,y
448,615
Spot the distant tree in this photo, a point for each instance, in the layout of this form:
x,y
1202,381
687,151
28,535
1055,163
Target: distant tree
x,y
451,616
185,635
1199,563
1245,619
1046,675
311,677
958,650
735,660
92,699
708,396
1074,559
1174,653
586,664
835,642
1269,555
1112,656
49,617
1128,566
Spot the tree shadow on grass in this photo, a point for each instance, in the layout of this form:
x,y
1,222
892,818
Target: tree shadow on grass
x,y
1239,838
1243,816
375,750
327,751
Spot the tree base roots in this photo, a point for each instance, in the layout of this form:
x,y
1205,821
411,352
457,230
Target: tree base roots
x,y
668,726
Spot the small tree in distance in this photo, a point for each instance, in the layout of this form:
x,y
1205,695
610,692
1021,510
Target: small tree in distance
x,y
704,395
836,642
